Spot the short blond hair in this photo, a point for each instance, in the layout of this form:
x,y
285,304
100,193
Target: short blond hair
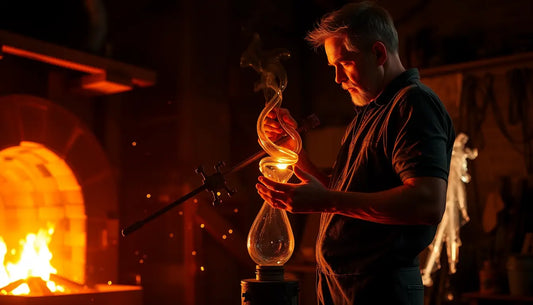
x,y
360,24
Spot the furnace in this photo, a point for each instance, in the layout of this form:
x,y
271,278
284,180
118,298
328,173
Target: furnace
x,y
59,226
55,176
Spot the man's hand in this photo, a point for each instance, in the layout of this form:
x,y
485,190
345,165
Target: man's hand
x,y
308,196
273,126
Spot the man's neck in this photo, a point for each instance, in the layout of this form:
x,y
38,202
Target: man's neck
x,y
393,67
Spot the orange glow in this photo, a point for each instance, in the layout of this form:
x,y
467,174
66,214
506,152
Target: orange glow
x,y
52,60
102,75
97,80
33,261
282,165
142,82
101,83
41,197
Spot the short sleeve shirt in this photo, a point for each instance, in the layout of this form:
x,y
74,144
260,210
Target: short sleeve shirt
x,y
395,137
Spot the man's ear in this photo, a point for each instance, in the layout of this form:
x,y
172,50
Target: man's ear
x,y
380,51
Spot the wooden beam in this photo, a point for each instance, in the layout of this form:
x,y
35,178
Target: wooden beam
x,y
51,60
507,61
102,73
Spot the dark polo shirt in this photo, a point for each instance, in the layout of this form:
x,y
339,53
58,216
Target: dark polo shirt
x,y
386,143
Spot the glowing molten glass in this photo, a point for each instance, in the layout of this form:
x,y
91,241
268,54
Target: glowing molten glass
x,y
33,261
270,240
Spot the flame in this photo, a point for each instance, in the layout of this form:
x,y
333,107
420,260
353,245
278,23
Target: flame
x,y
33,261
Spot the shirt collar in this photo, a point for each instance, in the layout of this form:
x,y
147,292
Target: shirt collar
x,y
406,78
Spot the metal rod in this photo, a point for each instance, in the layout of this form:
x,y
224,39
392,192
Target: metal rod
x,y
137,225
309,123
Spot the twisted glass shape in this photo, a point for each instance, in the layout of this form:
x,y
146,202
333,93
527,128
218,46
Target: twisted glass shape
x,y
270,240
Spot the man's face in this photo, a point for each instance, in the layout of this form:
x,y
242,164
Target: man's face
x,y
355,71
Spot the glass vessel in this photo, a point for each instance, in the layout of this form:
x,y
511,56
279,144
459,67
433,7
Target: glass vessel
x,y
270,239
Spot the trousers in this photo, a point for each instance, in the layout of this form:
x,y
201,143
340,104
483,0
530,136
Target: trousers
x,y
402,286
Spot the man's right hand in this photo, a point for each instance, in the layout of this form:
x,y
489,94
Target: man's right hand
x,y
273,127
274,131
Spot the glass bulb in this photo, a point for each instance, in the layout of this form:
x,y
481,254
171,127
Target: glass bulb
x,y
270,240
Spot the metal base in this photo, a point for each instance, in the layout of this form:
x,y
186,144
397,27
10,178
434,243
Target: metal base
x,y
254,292
269,288
102,294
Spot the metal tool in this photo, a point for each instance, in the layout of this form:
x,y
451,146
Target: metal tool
x,y
216,182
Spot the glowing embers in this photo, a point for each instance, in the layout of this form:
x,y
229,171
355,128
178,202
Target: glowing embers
x,y
27,270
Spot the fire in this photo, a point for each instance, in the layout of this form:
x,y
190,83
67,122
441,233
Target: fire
x,y
33,262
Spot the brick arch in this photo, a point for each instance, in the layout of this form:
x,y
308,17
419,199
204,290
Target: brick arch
x,y
28,119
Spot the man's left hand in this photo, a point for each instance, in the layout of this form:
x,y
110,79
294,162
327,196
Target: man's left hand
x,y
308,196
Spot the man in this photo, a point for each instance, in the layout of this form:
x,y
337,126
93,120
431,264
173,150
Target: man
x,y
387,193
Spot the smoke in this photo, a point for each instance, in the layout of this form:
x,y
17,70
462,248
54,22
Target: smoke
x,y
273,81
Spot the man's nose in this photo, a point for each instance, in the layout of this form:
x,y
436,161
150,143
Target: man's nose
x,y
340,76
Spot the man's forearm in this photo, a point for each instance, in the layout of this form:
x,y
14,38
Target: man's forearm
x,y
420,201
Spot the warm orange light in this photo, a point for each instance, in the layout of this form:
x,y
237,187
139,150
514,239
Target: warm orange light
x,y
282,165
52,60
22,289
98,75
33,261
270,239
38,187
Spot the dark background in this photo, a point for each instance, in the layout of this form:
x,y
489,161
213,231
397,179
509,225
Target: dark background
x,y
203,109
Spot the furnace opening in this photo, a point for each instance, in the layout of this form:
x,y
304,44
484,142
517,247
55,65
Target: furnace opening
x,y
38,190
